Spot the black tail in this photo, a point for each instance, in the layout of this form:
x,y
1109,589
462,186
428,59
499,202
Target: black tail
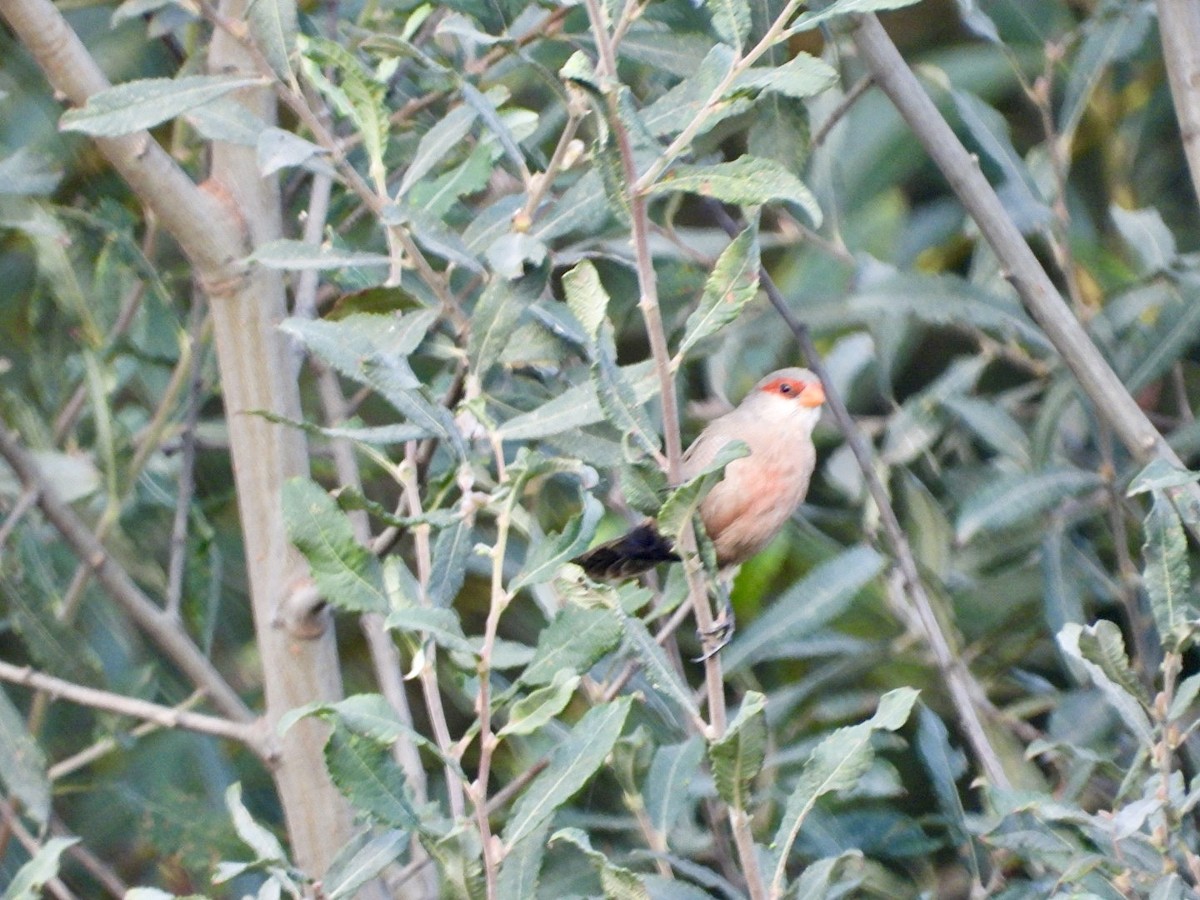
x,y
635,552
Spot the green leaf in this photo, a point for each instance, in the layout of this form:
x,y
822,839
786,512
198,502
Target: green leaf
x,y
576,407
1160,475
737,757
345,572
1015,499
617,882
617,397
574,641
732,284
298,256
22,765
483,105
548,555
684,501
572,765
1167,575
747,180
358,96
372,350
265,845
29,880
442,625
449,570
367,860
227,120
1185,696
586,297
693,98
522,865
992,424
945,766
669,781
835,765
811,20
1147,237
538,707
802,76
137,105
274,28
444,138
494,320
655,665
824,593
364,771
25,174
730,20
1100,649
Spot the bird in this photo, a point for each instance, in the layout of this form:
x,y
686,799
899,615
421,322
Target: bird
x,y
758,492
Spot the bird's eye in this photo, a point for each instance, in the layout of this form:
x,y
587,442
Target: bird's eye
x,y
785,388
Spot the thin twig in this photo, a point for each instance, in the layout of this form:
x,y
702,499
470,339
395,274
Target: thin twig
x,y
836,115
163,630
249,733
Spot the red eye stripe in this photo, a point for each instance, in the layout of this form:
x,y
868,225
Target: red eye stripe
x,y
788,387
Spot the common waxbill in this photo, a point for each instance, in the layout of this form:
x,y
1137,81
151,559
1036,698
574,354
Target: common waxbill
x,y
758,493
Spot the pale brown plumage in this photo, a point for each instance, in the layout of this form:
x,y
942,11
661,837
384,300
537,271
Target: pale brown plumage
x,y
758,493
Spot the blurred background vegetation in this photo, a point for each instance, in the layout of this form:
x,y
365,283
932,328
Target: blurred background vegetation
x,y
1010,488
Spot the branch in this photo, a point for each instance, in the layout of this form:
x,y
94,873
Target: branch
x,y
1179,29
252,733
1108,395
159,626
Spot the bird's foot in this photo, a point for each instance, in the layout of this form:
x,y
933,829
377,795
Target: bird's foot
x,y
714,639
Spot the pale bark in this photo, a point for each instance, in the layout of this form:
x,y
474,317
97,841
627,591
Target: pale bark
x,y
216,229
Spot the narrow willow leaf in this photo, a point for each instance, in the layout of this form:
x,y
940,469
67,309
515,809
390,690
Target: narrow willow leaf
x,y
617,882
483,105
1185,696
572,765
493,322
274,27
449,570
436,144
298,256
617,396
1013,499
684,501
576,407
693,98
574,642
442,625
811,20
345,572
522,865
1167,575
835,765
548,555
1160,475
224,119
357,96
945,765
538,707
344,877
747,180
1101,651
658,45
586,297
1147,237
730,20
371,350
669,781
802,76
364,771
737,757
655,665
265,845
137,105
24,173
278,149
1113,36
818,878
824,593
732,284
31,878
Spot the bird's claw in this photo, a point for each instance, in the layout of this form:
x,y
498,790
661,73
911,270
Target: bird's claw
x,y
715,638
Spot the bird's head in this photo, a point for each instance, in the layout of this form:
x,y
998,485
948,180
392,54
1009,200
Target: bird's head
x,y
791,395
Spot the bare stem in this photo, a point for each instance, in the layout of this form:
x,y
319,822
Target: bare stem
x,y
249,733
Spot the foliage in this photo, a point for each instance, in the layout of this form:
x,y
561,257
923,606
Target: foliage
x,y
488,335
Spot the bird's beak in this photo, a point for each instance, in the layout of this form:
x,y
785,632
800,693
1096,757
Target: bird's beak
x,y
813,394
